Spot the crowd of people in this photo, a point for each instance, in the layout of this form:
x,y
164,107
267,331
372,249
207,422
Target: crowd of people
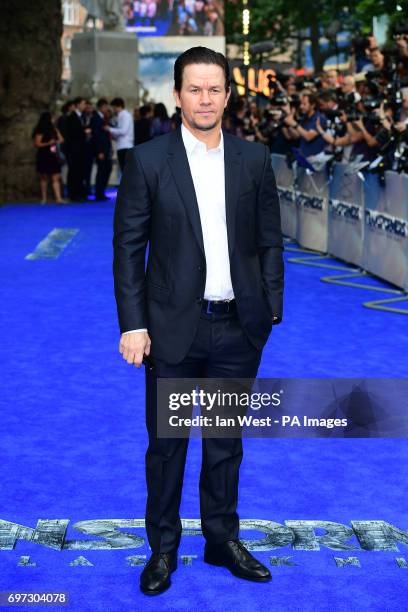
x,y
84,135
359,117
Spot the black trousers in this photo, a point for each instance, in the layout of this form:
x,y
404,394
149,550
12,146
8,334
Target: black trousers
x,y
88,165
104,168
220,349
76,176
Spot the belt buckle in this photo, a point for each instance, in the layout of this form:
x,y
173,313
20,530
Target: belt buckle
x,y
228,303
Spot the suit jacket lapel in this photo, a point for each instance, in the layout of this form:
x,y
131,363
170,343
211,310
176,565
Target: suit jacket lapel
x,y
180,169
232,164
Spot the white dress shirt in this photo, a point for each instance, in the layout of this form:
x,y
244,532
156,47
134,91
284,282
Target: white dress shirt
x,y
124,132
207,171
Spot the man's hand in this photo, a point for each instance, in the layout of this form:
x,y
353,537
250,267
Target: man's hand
x,y
358,125
133,346
290,121
401,126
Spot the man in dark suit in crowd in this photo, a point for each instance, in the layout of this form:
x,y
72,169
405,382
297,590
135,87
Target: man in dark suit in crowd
x,y
89,152
76,134
102,148
143,125
66,110
208,205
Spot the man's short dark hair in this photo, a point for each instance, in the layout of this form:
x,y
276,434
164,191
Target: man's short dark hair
x,y
329,95
144,110
65,107
78,100
199,55
310,96
118,102
101,102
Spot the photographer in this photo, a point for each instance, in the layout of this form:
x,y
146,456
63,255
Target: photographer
x,y
310,141
377,58
401,50
336,134
348,89
270,129
369,132
242,119
400,127
402,122
254,119
336,120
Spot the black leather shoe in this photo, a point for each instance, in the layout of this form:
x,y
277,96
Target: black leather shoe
x,y
237,559
155,577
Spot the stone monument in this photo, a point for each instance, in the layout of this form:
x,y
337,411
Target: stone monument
x,y
105,62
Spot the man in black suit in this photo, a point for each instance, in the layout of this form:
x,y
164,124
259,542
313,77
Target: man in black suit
x,y
143,126
208,205
102,148
75,141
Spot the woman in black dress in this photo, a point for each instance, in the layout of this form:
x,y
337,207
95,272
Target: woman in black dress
x,y
46,138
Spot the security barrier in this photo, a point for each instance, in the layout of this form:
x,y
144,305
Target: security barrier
x,y
348,215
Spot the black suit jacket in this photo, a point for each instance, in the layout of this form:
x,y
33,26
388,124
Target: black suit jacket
x,y
156,203
100,140
75,136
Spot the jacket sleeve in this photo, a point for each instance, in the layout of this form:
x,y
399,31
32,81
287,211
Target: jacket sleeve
x,y
269,239
130,236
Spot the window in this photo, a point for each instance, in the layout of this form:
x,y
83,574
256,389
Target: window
x,y
70,12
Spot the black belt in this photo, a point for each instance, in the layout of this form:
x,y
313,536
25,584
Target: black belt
x,y
209,306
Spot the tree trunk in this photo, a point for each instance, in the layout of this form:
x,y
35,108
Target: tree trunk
x,y
30,73
318,60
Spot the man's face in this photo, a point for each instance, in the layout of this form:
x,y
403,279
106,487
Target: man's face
x,y
81,106
291,89
376,57
348,85
305,107
203,97
326,104
332,78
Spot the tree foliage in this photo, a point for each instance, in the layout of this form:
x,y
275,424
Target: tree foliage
x,y
284,21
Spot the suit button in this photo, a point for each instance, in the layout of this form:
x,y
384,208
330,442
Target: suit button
x,y
199,268
199,300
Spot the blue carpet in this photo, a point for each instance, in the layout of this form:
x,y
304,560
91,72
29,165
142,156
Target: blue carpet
x,y
73,437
